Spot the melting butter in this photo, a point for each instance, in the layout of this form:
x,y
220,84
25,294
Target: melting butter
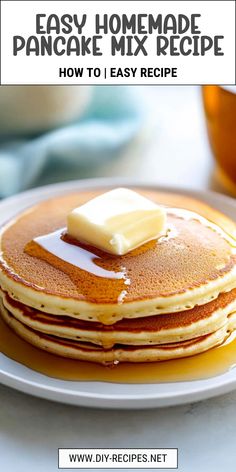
x,y
117,221
77,256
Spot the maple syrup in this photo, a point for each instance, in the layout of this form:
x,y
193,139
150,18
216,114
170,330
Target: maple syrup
x,y
214,362
209,364
220,111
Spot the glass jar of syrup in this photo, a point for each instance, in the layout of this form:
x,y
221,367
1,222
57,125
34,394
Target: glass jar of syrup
x,y
220,111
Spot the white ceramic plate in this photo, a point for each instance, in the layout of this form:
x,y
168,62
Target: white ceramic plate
x,y
103,394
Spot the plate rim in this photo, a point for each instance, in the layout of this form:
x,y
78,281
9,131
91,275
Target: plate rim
x,y
202,390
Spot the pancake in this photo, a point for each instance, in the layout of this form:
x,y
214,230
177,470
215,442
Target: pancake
x,y
159,329
119,353
190,266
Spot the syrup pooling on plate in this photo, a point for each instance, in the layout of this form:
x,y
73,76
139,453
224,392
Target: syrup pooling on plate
x,y
175,247
214,362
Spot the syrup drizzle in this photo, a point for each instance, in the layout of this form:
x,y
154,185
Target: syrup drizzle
x,y
58,244
65,248
211,363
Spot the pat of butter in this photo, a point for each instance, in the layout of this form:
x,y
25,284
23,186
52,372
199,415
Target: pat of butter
x,y
117,221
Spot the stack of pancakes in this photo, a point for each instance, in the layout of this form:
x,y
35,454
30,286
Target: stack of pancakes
x,y
178,296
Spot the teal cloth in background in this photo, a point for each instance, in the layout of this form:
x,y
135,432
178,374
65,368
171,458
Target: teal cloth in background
x,y
113,119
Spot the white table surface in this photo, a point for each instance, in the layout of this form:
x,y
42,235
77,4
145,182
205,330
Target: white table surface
x,y
173,151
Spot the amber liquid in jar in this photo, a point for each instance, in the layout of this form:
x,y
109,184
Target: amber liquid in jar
x,y
220,111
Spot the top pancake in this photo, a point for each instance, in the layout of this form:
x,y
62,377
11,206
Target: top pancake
x,y
191,266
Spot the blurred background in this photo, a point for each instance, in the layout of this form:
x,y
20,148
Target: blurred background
x,y
171,136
